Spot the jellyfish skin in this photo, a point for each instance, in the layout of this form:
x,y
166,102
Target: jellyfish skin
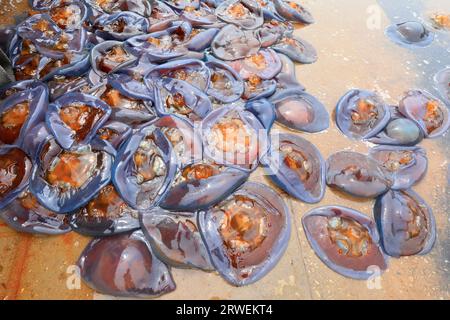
x,y
46,180
199,194
300,111
146,195
407,165
406,223
125,266
359,265
247,266
357,174
361,114
289,170
175,238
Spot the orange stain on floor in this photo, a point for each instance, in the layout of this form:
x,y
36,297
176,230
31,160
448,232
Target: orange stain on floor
x,y
68,239
21,257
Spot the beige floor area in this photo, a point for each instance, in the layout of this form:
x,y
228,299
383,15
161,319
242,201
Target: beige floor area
x,y
353,53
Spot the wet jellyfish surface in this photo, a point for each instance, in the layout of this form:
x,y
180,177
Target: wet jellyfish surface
x,y
114,133
164,45
297,49
298,110
297,167
243,13
130,79
293,11
265,64
442,83
440,21
203,16
106,214
120,26
20,112
185,140
247,233
175,238
125,107
399,132
410,34
26,214
109,56
68,16
41,49
60,85
357,174
200,40
287,78
234,136
183,4
200,185
75,118
428,112
144,168
124,265
361,114
345,240
256,88
264,110
193,71
178,97
272,30
12,121
65,180
406,165
226,85
232,43
406,223
15,170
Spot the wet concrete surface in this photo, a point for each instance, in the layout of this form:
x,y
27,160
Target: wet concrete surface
x,y
353,53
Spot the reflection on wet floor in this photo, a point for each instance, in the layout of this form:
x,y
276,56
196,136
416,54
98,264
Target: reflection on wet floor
x,y
353,53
